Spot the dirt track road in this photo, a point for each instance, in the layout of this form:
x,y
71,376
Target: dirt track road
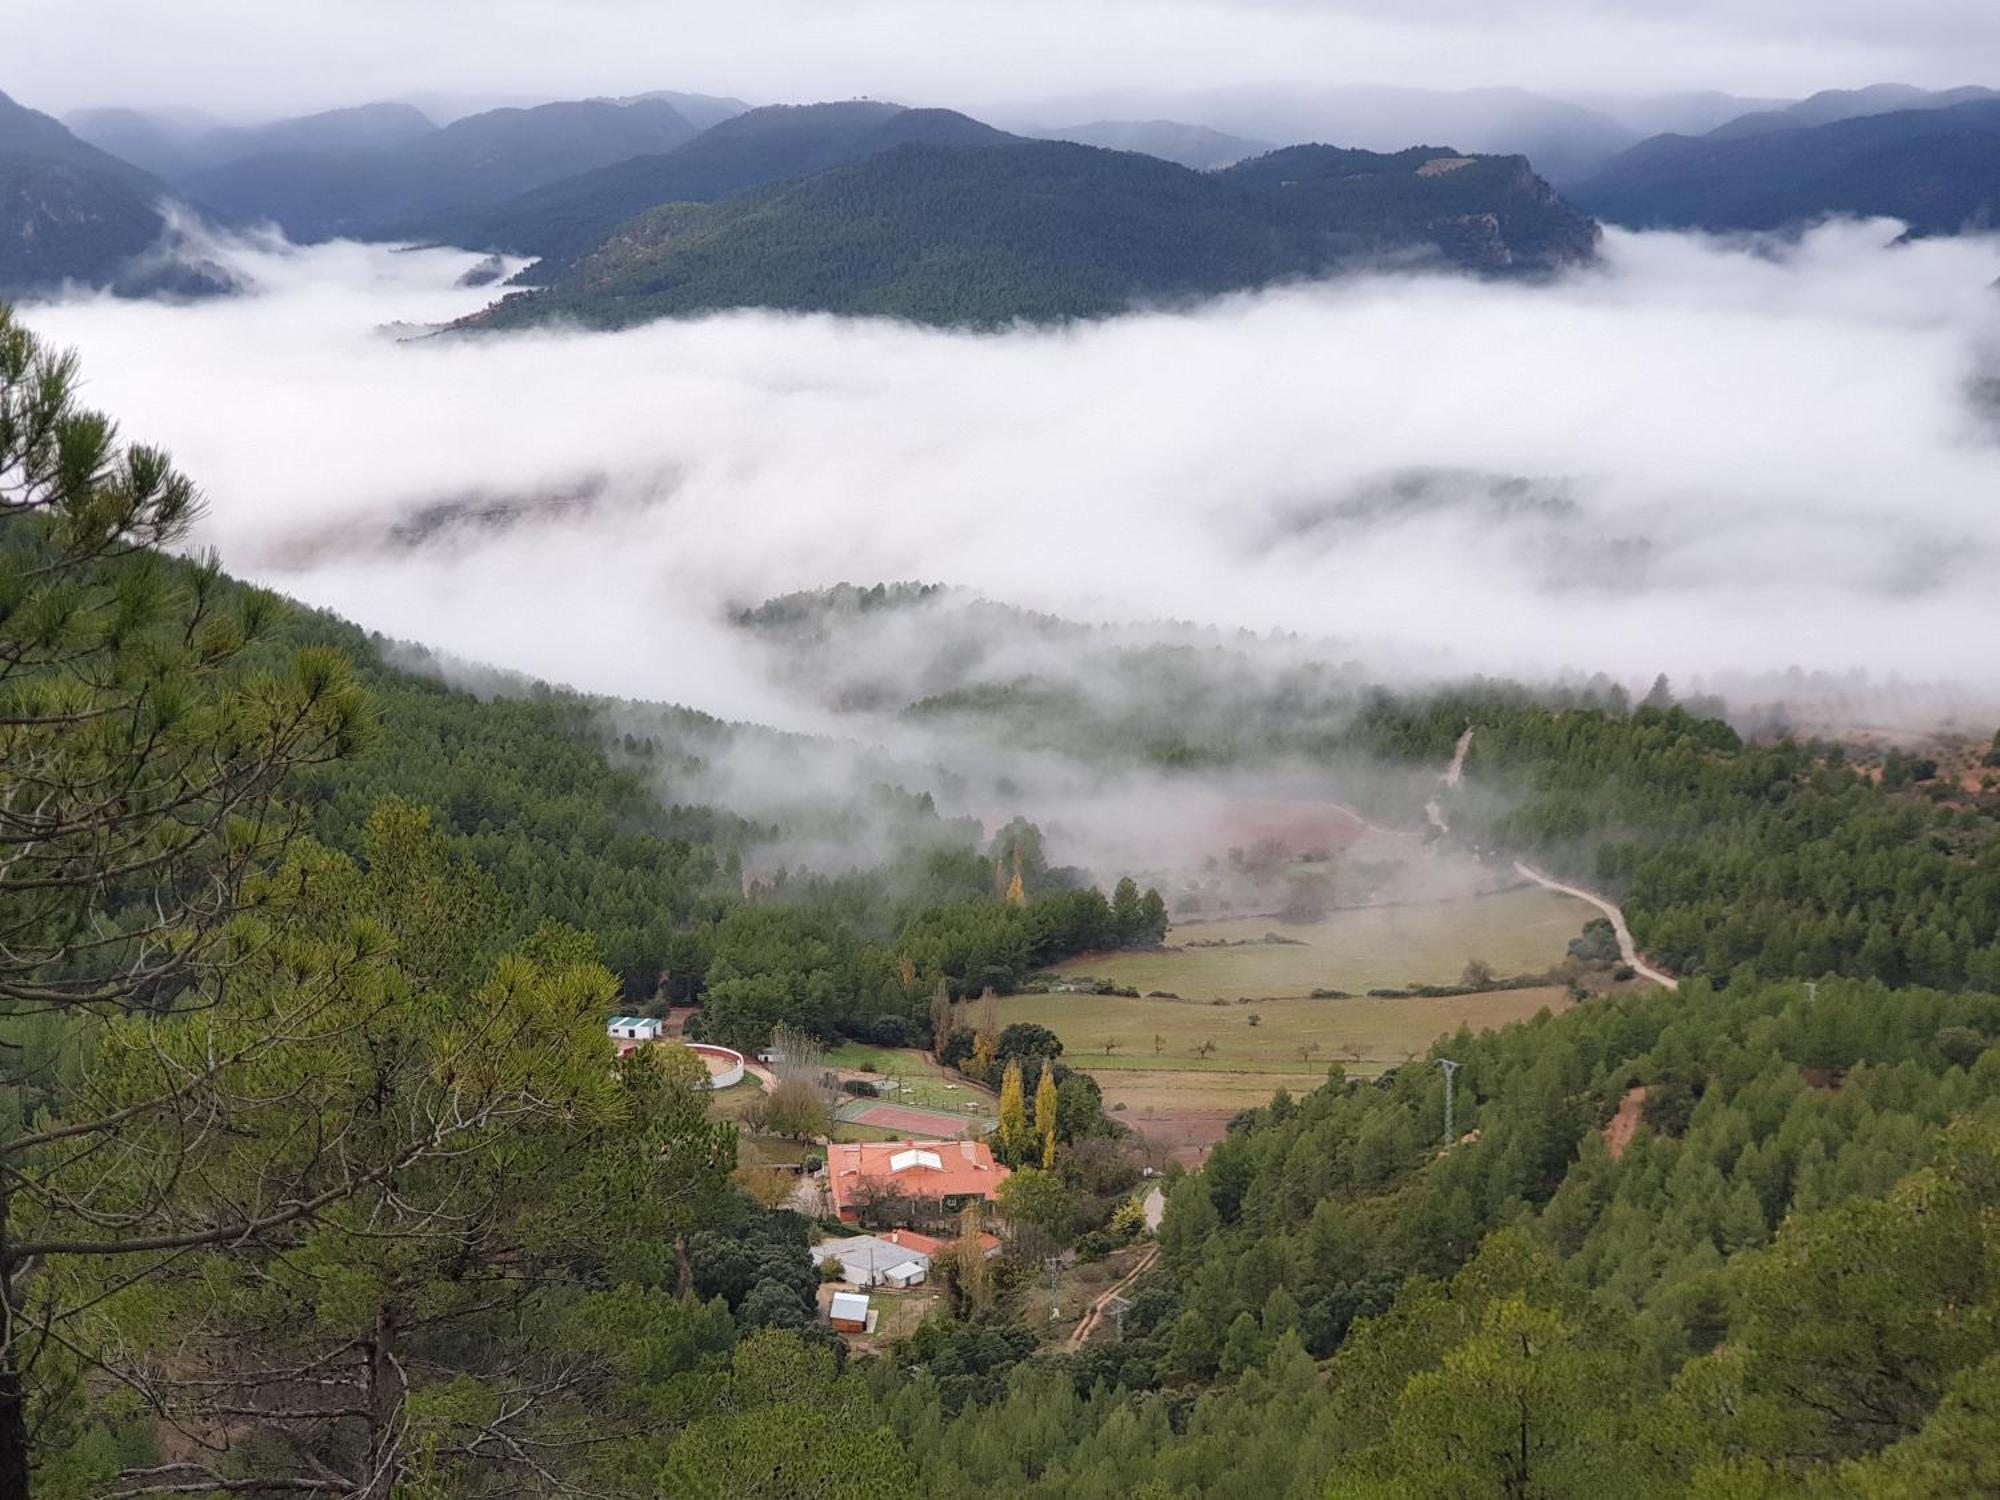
x,y
1626,947
1093,1315
1448,782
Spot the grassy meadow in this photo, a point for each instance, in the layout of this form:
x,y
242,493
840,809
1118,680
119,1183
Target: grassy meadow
x,y
1524,929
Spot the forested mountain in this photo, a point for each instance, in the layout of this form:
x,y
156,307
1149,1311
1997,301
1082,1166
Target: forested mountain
x,y
68,211
1193,146
315,191
1049,230
169,145
565,219
1936,167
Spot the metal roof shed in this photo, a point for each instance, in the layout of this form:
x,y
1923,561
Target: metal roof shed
x,y
849,1312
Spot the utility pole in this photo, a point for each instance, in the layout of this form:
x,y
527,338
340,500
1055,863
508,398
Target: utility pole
x,y
1450,1077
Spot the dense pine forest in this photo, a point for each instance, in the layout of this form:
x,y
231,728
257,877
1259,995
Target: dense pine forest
x,y
1735,860
938,230
316,1177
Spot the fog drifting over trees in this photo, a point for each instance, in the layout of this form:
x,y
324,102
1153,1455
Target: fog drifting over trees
x,y
1706,456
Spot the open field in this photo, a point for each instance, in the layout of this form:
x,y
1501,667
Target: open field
x,y
906,1076
1523,929
1181,1095
1298,1037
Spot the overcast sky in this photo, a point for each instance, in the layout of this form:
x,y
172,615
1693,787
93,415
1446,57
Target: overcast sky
x,y
268,57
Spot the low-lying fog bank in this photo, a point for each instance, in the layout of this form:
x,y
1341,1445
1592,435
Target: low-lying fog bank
x,y
1705,458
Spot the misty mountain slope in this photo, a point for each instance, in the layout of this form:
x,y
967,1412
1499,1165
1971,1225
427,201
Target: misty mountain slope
x,y
62,222
30,133
1194,146
482,159
1564,139
703,111
1047,230
68,211
566,219
1831,105
171,145
1937,169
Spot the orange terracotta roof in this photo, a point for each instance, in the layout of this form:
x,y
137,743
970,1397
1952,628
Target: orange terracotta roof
x,y
915,1169
924,1244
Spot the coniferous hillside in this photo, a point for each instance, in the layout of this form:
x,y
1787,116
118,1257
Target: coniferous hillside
x,y
1683,1245
68,211
1938,169
566,219
1052,230
1738,860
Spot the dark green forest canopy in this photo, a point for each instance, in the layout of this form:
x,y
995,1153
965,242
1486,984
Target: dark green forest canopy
x,y
1045,230
1733,859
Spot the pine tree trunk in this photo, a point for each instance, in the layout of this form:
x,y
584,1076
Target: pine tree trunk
x,y
13,1432
15,1471
385,1399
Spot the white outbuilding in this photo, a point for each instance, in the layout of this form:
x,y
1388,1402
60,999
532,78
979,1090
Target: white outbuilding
x,y
849,1312
869,1260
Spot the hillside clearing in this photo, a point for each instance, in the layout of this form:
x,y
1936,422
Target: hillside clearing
x,y
1523,929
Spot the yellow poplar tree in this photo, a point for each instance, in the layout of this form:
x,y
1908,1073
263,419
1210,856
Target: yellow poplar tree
x,y
972,1269
1014,1136
1045,1114
980,1065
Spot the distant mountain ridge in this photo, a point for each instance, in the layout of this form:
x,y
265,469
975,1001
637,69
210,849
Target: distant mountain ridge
x,y
1044,230
170,147
481,159
1194,146
1833,105
1936,167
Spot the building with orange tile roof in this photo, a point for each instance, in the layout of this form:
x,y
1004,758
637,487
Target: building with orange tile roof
x,y
916,1179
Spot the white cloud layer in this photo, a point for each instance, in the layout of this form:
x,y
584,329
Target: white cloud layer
x,y
1704,457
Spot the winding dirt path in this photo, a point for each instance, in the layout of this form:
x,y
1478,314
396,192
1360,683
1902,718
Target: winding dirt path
x,y
1093,1315
1448,782
1626,948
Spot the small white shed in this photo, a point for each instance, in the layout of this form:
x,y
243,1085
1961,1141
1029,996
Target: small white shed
x,y
909,1273
849,1312
636,1028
